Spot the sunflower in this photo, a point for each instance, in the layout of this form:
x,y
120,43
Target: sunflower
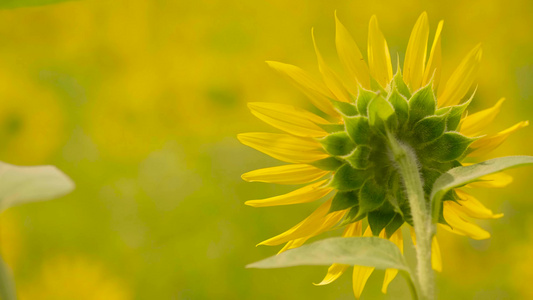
x,y
343,155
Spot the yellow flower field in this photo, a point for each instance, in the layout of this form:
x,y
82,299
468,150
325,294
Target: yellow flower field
x,y
140,103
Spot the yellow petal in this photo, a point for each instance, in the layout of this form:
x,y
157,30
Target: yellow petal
x,y
461,226
473,124
359,279
361,274
334,271
306,194
415,55
334,219
319,221
390,274
378,54
490,142
330,78
316,91
471,207
287,174
294,244
350,55
436,259
496,180
461,79
284,147
288,118
433,67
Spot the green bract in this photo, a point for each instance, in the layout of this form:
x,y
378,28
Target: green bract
x,y
366,179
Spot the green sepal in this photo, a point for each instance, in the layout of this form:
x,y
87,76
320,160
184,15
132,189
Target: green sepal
x,y
338,143
375,86
352,216
441,219
359,158
405,208
429,175
455,114
332,128
406,213
380,218
441,166
422,104
345,108
399,84
400,104
344,200
381,114
451,195
363,98
443,110
327,164
358,129
448,147
394,185
429,128
394,225
371,196
347,178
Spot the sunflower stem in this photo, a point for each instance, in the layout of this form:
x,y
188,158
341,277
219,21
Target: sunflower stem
x,y
407,164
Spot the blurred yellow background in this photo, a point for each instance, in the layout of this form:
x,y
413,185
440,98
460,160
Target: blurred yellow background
x,y
139,102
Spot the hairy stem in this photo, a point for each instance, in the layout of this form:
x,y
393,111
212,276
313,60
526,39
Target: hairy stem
x,y
406,162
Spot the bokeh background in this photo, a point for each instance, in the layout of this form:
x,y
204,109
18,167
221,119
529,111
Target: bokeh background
x,y
140,102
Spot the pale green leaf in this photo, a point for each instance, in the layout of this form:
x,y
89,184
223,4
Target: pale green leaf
x,y
7,286
361,251
28,184
460,176
7,4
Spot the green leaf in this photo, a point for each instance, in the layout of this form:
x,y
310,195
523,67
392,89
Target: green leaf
x,y
429,128
348,178
371,196
26,3
448,147
358,129
363,98
359,158
345,108
460,176
338,143
28,184
422,104
361,251
379,113
344,200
